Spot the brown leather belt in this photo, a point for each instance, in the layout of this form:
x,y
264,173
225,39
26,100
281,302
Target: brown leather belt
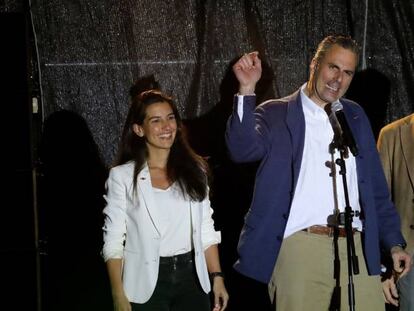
x,y
329,231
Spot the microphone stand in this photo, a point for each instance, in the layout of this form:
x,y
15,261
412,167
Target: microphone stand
x,y
345,219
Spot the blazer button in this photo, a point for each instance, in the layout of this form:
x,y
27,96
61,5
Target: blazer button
x,y
279,238
412,227
285,216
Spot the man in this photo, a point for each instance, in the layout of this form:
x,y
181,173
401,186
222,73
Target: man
x,y
286,241
396,149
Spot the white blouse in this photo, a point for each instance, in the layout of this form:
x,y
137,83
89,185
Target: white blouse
x,y
176,221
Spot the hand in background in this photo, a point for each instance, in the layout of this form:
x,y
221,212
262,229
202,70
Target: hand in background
x,y
389,289
402,261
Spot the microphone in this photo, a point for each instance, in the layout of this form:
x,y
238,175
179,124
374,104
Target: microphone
x,y
342,132
334,123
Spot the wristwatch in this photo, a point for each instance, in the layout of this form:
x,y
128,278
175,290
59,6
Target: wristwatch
x,y
216,274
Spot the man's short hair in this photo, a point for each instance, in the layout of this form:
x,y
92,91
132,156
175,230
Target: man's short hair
x,y
343,41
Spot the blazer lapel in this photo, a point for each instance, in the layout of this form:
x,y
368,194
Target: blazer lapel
x,y
407,146
145,187
353,120
295,121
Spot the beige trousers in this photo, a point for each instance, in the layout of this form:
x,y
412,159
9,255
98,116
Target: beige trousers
x,y
303,276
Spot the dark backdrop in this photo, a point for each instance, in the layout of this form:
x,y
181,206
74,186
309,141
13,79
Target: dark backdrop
x,y
91,51
86,54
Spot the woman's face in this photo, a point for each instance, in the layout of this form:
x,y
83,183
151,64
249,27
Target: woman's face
x,y
159,127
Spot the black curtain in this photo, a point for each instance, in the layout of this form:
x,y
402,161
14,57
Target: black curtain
x,y
90,52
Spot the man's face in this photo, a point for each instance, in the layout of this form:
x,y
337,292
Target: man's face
x,y
333,75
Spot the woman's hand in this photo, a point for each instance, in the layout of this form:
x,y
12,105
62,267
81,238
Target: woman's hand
x,y
121,303
221,297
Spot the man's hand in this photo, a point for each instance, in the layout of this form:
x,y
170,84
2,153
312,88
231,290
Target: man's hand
x,y
401,259
390,291
248,71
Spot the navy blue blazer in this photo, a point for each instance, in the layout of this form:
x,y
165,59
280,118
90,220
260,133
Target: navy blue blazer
x,y
274,134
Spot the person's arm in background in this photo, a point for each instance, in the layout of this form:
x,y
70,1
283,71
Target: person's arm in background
x,y
401,259
390,291
382,146
388,219
400,263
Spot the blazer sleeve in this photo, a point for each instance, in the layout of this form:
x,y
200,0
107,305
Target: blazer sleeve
x,y
209,235
114,228
383,146
248,139
388,220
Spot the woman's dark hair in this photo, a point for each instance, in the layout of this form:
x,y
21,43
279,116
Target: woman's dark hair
x,y
184,165
143,84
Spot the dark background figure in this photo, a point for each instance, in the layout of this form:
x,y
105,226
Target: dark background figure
x,y
371,89
396,148
71,192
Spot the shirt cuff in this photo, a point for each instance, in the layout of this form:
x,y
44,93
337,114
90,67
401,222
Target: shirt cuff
x,y
240,100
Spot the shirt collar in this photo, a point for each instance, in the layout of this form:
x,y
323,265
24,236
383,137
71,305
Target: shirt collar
x,y
309,105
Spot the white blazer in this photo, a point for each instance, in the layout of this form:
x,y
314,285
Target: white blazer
x,y
132,232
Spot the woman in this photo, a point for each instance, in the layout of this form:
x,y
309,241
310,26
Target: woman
x,y
159,237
